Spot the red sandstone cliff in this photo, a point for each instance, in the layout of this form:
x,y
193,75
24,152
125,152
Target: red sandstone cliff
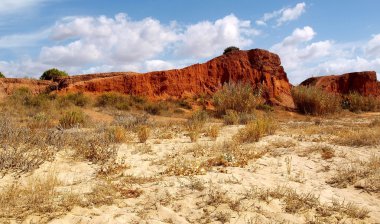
x,y
364,83
8,85
257,67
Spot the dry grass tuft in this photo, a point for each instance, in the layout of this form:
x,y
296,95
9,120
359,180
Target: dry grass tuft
x,y
315,101
295,203
253,131
186,167
363,136
238,97
359,103
213,132
195,124
73,118
118,134
143,133
23,149
364,174
36,196
94,147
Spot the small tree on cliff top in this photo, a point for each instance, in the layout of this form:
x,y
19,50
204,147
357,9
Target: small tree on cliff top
x,y
53,74
230,49
2,75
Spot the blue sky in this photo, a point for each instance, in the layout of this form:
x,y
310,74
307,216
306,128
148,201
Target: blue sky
x,y
316,37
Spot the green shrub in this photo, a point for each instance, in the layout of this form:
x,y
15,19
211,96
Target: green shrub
x,y
155,108
72,119
2,75
236,96
265,107
115,100
24,96
184,104
78,99
230,49
315,101
53,74
231,117
356,102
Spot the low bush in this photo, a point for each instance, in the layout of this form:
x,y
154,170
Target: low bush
x,y
356,102
143,133
236,96
254,130
230,49
2,75
72,118
195,124
213,131
231,117
77,99
115,100
315,101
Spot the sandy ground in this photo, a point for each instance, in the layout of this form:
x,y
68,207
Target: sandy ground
x,y
222,194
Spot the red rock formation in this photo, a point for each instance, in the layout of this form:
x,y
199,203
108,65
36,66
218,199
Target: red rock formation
x,y
364,83
8,85
257,67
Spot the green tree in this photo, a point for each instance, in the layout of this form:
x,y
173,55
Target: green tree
x,y
2,75
230,49
53,74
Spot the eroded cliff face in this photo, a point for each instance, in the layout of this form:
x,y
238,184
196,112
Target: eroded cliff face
x,y
364,83
8,85
260,68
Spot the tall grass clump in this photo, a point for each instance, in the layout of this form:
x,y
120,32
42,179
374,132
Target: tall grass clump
x,y
77,99
315,101
256,129
195,124
72,118
239,97
114,100
356,102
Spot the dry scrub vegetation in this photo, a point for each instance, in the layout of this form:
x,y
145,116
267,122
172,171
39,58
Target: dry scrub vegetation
x,y
75,159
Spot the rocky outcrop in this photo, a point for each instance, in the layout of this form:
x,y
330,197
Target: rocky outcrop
x,y
260,68
364,83
8,85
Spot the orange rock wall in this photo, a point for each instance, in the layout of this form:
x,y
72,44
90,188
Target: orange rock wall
x,y
364,83
257,67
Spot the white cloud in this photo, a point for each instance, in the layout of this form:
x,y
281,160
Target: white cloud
x,y
373,46
302,58
22,40
283,15
299,35
294,50
290,14
103,44
13,6
158,65
207,38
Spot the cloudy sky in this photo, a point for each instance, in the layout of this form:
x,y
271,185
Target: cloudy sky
x,y
316,37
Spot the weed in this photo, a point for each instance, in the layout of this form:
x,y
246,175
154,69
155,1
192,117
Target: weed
x,y
253,131
231,117
356,102
143,133
213,131
72,119
235,96
315,101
